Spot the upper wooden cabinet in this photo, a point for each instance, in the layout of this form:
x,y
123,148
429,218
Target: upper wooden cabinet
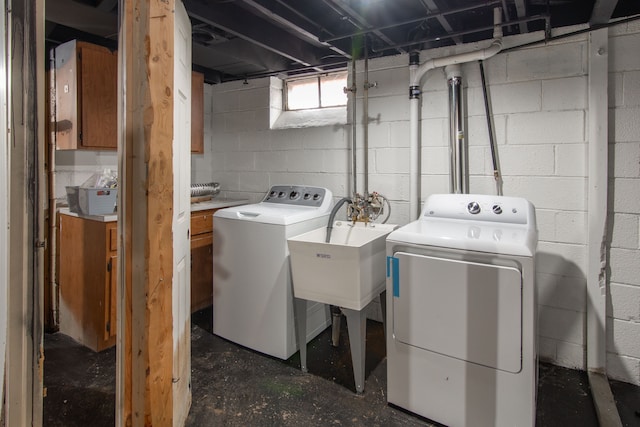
x,y
86,99
197,112
86,108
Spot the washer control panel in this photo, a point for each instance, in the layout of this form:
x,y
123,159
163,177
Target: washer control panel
x,y
479,207
297,195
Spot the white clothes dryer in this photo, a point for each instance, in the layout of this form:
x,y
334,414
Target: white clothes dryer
x,y
252,290
461,312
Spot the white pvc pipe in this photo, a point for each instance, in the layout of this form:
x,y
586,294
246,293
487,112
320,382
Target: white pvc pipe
x,y
416,73
414,148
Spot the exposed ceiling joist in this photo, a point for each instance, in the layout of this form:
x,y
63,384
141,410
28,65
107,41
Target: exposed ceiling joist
x,y
521,12
602,11
341,6
231,19
297,26
431,7
84,18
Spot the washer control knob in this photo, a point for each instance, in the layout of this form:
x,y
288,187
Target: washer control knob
x,y
294,195
497,209
473,208
316,196
281,194
307,196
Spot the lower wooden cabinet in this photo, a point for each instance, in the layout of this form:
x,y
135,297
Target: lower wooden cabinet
x,y
87,281
201,259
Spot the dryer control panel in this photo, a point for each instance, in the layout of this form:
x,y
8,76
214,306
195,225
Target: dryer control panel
x,y
479,207
298,195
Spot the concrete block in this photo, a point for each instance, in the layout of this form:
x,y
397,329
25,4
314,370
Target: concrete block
x,y
528,160
257,182
623,368
479,161
253,141
483,184
225,102
631,88
570,355
253,99
379,134
399,134
478,132
624,266
546,349
561,259
434,132
240,161
286,139
625,301
571,160
516,97
571,227
564,94
625,126
433,184
624,231
389,109
562,292
622,189
304,161
615,93
562,325
390,81
561,60
270,161
391,160
546,127
626,159
546,221
622,338
393,186
435,104
435,160
561,193
620,47
324,138
333,161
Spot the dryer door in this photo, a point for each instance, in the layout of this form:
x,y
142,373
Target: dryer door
x,y
466,310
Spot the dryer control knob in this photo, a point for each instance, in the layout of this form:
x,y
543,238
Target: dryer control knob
x,y
473,208
497,209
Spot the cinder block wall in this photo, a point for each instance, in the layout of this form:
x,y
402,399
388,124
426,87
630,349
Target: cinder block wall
x,y
539,102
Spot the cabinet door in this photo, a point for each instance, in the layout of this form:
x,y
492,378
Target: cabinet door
x,y
197,112
110,298
201,271
98,96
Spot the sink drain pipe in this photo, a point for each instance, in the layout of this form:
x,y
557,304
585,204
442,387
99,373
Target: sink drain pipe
x,y
416,73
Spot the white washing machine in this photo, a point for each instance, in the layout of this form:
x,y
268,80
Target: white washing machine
x,y
461,312
252,291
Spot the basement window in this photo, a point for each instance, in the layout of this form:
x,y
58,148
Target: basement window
x,y
323,91
308,102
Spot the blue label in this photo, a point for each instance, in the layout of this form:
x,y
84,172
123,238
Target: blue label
x,y
393,271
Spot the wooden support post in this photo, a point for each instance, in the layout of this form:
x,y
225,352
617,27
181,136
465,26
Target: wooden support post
x,y
145,205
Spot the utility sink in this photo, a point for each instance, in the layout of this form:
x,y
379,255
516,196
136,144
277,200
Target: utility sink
x,y
348,272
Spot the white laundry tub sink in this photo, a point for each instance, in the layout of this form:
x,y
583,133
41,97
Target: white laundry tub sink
x,y
348,272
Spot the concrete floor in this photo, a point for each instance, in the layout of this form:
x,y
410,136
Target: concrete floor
x,y
233,386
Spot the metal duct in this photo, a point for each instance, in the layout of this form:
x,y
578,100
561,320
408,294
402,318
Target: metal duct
x,y
458,164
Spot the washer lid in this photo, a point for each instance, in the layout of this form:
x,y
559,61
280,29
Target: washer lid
x,y
270,213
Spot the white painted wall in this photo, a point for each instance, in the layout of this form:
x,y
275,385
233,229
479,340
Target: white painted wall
x,y
539,100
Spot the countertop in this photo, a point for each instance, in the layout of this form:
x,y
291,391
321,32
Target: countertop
x,y
215,203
